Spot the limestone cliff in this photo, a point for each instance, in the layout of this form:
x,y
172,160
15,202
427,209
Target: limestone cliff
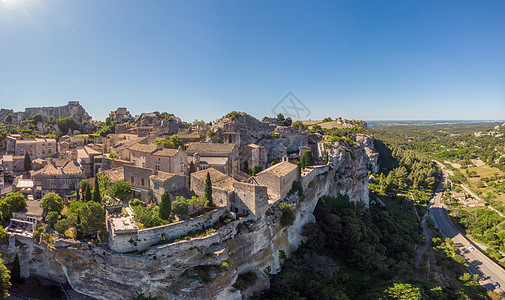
x,y
200,268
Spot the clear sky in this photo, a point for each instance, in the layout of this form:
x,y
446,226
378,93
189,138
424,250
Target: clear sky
x,y
371,60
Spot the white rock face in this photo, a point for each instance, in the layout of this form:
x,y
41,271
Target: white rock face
x,y
200,268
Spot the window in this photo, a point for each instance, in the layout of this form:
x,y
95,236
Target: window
x,y
157,167
142,181
132,179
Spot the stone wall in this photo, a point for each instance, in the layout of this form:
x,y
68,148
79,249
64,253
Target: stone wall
x,y
144,238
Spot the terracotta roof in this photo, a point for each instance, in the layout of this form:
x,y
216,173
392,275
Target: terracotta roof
x,y
281,169
143,148
210,147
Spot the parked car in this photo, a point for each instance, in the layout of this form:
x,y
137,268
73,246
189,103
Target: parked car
x,y
496,285
471,249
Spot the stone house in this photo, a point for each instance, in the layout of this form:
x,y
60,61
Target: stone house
x,y
13,164
159,159
69,142
61,180
222,157
222,186
161,181
278,179
139,179
36,148
256,155
239,197
32,212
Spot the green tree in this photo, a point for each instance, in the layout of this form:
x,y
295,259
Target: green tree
x,y
96,192
16,270
37,118
326,159
11,203
165,206
83,185
208,190
120,189
8,119
77,195
198,202
402,291
5,280
51,202
112,155
27,162
191,167
180,206
255,170
288,214
307,159
87,194
52,218
92,217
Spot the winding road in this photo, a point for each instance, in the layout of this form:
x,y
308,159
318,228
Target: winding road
x,y
478,262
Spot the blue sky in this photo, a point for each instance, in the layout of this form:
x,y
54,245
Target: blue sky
x,y
371,60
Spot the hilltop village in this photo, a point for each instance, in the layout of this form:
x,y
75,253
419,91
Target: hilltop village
x,y
191,204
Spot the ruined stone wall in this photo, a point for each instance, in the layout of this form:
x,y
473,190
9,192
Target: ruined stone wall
x,y
144,238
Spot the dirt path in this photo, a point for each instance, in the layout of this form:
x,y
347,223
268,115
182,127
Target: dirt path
x,y
427,243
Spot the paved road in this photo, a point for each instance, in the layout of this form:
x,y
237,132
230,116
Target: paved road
x,y
479,263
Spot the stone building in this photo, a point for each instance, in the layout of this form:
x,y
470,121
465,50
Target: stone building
x,y
13,164
161,181
70,142
278,179
139,179
222,157
36,148
222,186
61,180
159,159
239,197
256,155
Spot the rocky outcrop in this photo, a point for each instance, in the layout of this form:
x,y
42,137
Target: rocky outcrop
x,y
72,109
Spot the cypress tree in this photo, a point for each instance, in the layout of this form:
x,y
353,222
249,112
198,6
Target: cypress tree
x,y
96,192
78,195
165,206
255,170
87,196
208,190
326,158
28,162
16,270
191,167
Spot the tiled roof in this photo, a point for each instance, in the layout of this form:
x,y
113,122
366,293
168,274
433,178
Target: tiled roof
x,y
162,176
210,147
166,152
116,174
281,169
217,178
143,148
71,168
50,169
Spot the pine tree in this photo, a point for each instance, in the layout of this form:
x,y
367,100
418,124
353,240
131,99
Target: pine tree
x,y
165,206
96,192
208,190
16,270
28,162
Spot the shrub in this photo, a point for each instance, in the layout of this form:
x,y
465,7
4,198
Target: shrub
x,y
288,214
